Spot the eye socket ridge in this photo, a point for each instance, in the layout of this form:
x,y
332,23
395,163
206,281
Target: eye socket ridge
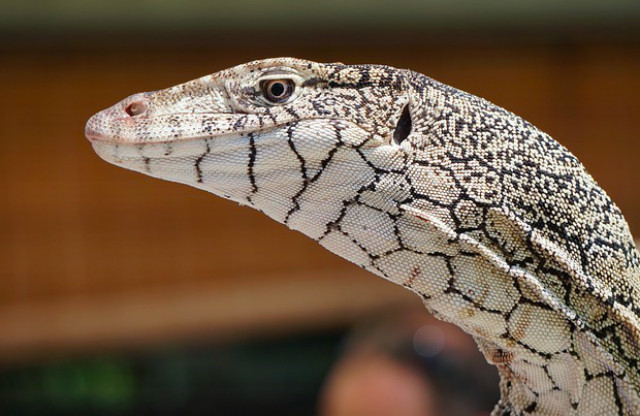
x,y
277,90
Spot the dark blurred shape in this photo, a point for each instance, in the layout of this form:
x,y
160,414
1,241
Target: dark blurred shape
x,y
589,18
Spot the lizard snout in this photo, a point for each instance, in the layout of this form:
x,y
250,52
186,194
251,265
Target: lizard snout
x,y
125,114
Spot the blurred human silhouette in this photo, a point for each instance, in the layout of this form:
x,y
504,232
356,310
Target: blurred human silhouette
x,y
410,365
377,385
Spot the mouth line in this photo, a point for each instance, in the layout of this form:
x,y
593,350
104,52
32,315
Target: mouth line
x,y
95,138
194,147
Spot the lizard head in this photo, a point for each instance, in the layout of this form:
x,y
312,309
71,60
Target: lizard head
x,y
277,134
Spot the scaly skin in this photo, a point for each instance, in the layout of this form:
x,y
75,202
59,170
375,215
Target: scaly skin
x,y
497,227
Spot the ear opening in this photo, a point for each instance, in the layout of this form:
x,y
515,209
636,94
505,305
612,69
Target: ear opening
x,y
403,128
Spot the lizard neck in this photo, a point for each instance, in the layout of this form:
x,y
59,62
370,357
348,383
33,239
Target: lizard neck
x,y
548,363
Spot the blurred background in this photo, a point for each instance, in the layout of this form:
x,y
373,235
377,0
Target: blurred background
x,y
125,295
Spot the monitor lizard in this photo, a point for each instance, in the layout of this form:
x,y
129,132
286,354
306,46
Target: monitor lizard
x,y
493,224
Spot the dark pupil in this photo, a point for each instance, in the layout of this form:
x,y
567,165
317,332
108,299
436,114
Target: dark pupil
x,y
277,89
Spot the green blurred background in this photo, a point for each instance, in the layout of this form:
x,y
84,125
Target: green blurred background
x,y
124,295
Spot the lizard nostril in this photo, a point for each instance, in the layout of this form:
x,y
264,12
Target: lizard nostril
x,y
136,108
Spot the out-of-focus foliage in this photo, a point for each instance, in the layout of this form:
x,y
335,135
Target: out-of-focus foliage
x,y
276,377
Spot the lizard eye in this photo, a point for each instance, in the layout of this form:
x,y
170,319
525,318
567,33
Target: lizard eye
x,y
277,90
